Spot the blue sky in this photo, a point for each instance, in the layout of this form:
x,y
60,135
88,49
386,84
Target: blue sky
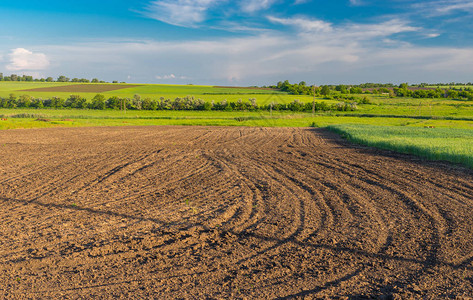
x,y
240,42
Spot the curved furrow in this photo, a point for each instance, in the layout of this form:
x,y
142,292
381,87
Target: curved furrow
x,y
159,181
332,198
244,213
316,197
414,175
58,179
60,192
397,188
435,220
116,168
24,171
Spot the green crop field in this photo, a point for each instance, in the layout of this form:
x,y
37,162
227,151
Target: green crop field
x,y
449,144
431,128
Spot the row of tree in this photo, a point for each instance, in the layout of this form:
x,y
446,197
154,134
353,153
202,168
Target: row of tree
x,y
325,90
451,93
403,90
100,102
62,78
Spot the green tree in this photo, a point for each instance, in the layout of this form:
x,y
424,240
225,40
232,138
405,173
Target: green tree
x,y
137,102
12,102
37,103
24,101
75,101
62,78
113,102
149,104
98,102
356,90
26,78
342,89
325,91
57,102
452,94
404,86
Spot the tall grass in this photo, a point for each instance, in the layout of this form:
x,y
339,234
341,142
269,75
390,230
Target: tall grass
x,y
448,144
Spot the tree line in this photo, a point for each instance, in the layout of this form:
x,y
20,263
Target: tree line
x,y
62,78
403,90
100,102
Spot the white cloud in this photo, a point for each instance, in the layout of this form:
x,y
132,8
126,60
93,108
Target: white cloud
x,y
22,59
349,31
370,31
186,13
170,77
303,23
454,6
251,6
192,13
442,7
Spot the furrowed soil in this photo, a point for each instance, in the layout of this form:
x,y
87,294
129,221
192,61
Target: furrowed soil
x,y
197,212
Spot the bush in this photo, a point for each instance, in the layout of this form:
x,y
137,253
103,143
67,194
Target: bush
x,y
98,102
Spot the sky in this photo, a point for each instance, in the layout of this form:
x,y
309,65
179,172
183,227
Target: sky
x,y
240,42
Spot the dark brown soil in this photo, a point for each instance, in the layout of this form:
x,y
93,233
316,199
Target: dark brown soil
x,y
197,212
83,88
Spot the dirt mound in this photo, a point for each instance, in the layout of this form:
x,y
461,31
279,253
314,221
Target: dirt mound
x,y
196,212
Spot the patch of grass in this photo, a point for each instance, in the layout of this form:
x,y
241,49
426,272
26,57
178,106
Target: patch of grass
x,y
448,144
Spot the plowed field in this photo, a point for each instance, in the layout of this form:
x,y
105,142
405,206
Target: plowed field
x,y
196,212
